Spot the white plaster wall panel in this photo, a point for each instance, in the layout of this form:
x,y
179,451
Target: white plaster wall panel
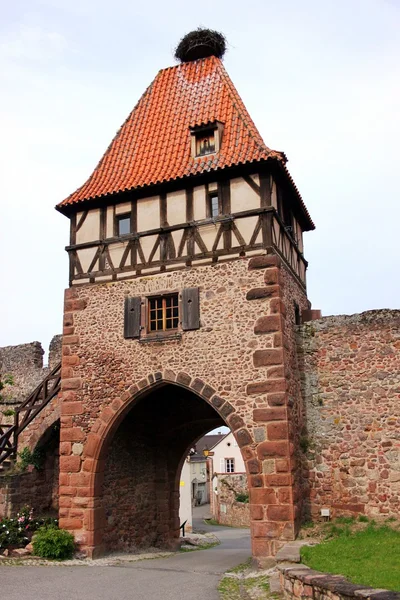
x,y
86,256
148,213
298,235
90,228
212,187
256,178
147,242
220,245
302,271
276,231
177,236
243,197
227,448
246,227
208,234
199,203
286,245
274,196
176,207
110,222
116,252
125,207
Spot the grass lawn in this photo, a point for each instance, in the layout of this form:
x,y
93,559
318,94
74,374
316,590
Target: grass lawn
x,y
369,556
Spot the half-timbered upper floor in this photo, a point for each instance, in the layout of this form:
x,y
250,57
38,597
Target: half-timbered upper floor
x,y
199,224
187,180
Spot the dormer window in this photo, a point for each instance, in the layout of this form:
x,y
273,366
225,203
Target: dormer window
x,y
205,144
206,139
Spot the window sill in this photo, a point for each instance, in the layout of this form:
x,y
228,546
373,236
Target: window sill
x,y
161,337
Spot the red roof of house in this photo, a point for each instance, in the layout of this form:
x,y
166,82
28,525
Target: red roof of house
x,y
207,441
153,145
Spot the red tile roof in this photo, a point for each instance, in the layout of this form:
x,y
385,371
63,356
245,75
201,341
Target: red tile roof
x,y
153,145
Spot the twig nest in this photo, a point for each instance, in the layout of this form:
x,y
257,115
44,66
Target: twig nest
x,y
200,43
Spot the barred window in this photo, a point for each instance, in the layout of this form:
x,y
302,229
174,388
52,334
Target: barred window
x,y
163,313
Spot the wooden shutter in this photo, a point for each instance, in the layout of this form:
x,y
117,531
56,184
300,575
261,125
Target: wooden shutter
x,y
132,317
190,309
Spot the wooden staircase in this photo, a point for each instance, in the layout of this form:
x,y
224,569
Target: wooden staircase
x,y
25,413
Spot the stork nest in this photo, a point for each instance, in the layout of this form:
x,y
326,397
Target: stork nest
x,y
200,43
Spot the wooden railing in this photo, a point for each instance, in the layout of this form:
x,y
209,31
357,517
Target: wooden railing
x,y
27,411
8,441
285,245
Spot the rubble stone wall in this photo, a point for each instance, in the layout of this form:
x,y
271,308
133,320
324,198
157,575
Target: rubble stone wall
x,y
227,509
35,488
25,364
300,582
351,388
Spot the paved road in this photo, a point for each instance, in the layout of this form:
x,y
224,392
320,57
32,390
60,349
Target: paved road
x,y
189,576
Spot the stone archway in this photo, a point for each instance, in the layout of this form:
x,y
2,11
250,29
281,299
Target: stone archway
x,y
131,458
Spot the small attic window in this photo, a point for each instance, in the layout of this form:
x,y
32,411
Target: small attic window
x,y
205,143
206,139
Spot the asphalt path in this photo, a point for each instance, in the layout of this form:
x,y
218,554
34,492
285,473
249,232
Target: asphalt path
x,y
186,576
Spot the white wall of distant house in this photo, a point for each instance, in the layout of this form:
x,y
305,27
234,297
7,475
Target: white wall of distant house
x,y
226,449
185,497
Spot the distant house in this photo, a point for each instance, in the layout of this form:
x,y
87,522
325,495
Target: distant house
x,y
200,467
212,455
227,457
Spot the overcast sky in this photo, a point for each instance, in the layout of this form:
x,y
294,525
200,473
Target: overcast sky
x,y
320,78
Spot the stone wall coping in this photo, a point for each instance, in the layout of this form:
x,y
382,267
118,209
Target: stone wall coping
x,y
335,583
365,318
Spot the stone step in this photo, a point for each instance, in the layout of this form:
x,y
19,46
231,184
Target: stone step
x,y
290,553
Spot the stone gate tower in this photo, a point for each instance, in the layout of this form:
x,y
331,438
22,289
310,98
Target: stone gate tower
x,y
187,278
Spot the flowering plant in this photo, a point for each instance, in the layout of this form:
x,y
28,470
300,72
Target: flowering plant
x,y
17,531
12,533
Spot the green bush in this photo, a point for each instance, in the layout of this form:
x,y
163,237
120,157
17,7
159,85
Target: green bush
x,y
242,497
35,458
50,542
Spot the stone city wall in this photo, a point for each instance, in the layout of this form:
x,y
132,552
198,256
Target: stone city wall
x,y
37,488
351,387
25,363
